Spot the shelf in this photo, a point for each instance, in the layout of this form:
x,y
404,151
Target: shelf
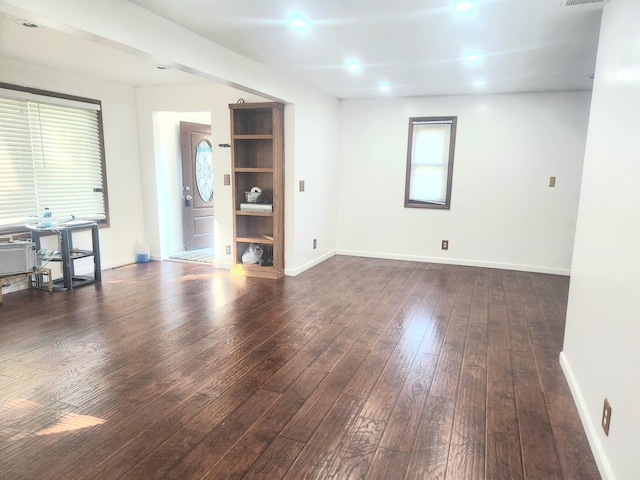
x,y
254,214
258,239
61,284
258,271
74,254
253,153
253,170
253,137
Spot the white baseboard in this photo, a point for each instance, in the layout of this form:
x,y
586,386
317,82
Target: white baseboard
x,y
589,427
117,263
292,272
458,261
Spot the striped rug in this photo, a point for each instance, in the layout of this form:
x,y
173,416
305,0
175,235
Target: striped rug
x,y
204,255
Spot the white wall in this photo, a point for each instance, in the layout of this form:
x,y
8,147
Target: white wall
x,y
121,149
601,356
311,214
503,214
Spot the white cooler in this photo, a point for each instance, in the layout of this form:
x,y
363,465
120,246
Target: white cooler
x,y
17,257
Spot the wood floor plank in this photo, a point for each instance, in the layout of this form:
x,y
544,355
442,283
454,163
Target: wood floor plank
x,y
356,368
206,453
404,420
539,452
303,425
276,460
163,457
430,451
503,459
447,377
467,447
357,449
575,458
320,453
388,464
238,460
380,403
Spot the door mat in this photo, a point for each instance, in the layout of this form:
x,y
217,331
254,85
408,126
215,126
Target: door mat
x,y
203,256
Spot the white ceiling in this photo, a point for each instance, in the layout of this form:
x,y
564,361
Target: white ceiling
x,y
416,46
49,47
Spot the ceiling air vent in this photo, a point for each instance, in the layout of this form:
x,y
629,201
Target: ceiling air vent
x,y
571,3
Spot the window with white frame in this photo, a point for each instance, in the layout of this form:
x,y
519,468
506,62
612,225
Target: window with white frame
x,y
51,156
430,162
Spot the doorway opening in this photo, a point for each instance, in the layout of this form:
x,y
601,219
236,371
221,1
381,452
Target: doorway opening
x,y
197,185
186,225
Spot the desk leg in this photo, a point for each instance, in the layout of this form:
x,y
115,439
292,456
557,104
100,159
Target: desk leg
x,y
67,264
95,240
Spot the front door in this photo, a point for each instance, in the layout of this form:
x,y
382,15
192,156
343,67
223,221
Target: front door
x,y
197,185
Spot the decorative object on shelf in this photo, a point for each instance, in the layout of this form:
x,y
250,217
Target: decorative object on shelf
x,y
254,195
256,207
253,254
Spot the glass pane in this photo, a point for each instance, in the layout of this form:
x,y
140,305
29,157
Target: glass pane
x,y
204,170
428,184
431,144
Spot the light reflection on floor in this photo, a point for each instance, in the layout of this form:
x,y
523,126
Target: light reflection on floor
x,y
70,422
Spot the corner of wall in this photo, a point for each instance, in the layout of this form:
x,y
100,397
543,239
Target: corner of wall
x,y
590,429
292,272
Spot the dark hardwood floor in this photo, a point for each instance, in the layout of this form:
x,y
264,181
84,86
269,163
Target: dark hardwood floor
x,y
357,368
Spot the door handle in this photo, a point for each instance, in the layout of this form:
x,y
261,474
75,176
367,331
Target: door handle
x,y
187,200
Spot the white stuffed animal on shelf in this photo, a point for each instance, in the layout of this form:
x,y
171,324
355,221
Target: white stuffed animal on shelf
x,y
253,254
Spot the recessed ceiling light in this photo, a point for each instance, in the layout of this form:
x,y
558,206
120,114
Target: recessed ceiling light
x,y
354,66
298,21
479,83
472,57
27,23
384,87
463,6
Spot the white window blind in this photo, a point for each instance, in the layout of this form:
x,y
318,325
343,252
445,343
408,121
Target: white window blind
x,y
50,157
430,162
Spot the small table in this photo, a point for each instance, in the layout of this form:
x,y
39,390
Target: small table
x,y
68,254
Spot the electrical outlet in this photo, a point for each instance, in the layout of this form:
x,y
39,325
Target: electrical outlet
x,y
228,249
315,243
606,417
445,244
301,185
227,179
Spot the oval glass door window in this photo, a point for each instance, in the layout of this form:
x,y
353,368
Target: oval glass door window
x,y
204,170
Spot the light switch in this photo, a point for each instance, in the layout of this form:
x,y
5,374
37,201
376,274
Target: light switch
x,y
552,181
227,179
302,185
